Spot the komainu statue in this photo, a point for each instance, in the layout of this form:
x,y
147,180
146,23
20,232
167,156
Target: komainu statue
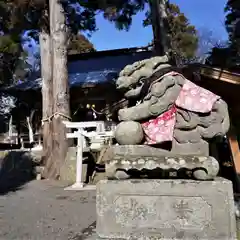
x,y
166,131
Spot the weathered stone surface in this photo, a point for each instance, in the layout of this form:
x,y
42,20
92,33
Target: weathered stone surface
x,y
138,157
136,150
189,167
68,170
191,148
165,209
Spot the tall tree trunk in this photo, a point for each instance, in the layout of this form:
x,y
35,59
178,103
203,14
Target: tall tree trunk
x,y
47,97
61,108
159,25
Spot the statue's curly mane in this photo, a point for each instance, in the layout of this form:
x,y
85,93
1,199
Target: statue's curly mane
x,y
187,72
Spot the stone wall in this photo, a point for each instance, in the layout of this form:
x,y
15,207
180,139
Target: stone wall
x,y
17,167
68,171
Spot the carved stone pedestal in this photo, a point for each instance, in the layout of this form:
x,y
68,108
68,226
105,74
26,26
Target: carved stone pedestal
x,y
165,209
136,161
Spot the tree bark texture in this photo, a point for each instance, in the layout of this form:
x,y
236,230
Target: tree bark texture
x,y
159,26
61,108
47,97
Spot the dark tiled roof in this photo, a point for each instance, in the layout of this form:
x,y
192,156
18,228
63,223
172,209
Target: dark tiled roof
x,y
96,77
75,80
92,70
27,85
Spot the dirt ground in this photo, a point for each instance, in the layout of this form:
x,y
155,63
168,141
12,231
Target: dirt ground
x,y
43,210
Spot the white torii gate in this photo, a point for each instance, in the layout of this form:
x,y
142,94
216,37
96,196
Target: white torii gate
x,y
81,135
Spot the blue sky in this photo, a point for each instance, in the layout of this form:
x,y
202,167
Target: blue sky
x,y
204,14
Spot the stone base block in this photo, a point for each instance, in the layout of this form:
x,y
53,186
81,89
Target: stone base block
x,y
133,161
165,209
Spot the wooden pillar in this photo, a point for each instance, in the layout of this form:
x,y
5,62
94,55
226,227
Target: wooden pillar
x,y
234,145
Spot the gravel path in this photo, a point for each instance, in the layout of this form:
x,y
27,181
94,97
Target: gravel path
x,y
42,210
